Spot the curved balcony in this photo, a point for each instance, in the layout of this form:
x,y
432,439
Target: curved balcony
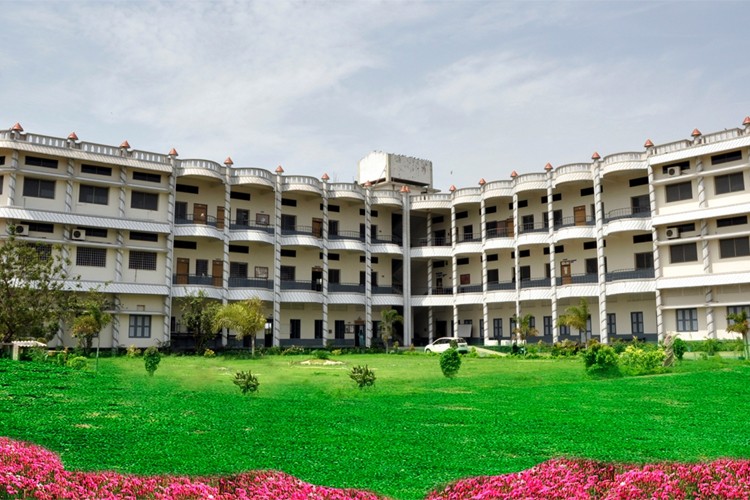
x,y
303,183
500,296
346,293
301,290
423,296
207,226
498,189
245,231
386,197
533,234
630,281
467,195
252,176
346,240
342,190
530,182
386,243
469,245
574,172
301,236
535,293
498,238
536,283
622,162
568,228
629,274
627,220
201,168
244,293
431,201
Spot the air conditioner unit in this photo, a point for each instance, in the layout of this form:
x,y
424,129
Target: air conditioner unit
x,y
674,171
673,233
21,230
78,234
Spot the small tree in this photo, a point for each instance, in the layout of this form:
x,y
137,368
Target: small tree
x,y
33,283
450,362
388,320
576,317
523,328
246,381
91,319
738,323
245,318
362,375
151,358
198,314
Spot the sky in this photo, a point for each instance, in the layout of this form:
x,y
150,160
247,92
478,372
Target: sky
x,y
479,88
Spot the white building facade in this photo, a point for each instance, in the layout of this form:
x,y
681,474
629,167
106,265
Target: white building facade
x,y
655,241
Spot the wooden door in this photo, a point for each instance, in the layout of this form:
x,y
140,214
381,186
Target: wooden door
x,y
567,279
579,215
217,272
509,229
183,271
199,213
220,218
317,228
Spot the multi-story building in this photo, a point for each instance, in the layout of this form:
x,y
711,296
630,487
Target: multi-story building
x,y
655,241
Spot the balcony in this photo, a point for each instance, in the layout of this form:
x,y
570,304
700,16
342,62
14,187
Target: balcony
x,y
627,213
536,283
443,290
470,288
572,221
301,230
499,233
239,282
468,237
346,287
194,279
207,220
316,285
245,224
387,290
503,285
630,274
432,241
536,227
387,238
347,235
576,279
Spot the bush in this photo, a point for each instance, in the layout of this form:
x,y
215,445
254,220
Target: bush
x,y
208,353
38,354
246,381
62,358
566,348
600,360
151,358
336,352
78,363
679,347
450,362
321,354
362,375
132,351
293,351
637,361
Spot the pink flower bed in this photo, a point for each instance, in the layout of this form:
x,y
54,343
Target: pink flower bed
x,y
28,471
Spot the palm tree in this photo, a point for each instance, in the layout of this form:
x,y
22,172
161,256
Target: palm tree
x,y
523,327
388,320
92,319
245,318
738,323
576,317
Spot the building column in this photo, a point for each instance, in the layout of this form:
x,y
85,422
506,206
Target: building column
x,y
430,271
516,258
600,258
406,251
454,262
483,232
225,244
655,249
368,266
552,258
278,192
324,305
12,178
705,256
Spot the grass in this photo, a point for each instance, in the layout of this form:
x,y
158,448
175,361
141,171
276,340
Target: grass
x,y
411,432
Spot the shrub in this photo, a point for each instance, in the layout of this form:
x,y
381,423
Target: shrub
x,y
679,347
450,362
600,360
336,352
637,361
78,363
566,348
132,351
151,358
246,381
38,354
62,358
293,351
362,375
712,346
321,354
208,353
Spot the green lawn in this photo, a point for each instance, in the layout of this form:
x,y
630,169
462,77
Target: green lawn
x,y
411,432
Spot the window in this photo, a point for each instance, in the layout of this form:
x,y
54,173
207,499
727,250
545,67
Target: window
x,y
521,204
140,326
239,249
683,165
734,247
239,195
187,245
93,257
512,325
94,232
644,260
41,227
43,251
287,273
612,323
739,220
180,212
490,210
492,276
2,160
147,176
525,272
142,260
527,222
288,222
564,330
1,184
461,215
96,170
680,191
687,320
144,201
201,267
318,328
186,188
726,157
589,245
334,276
238,269
636,323
639,181
339,329
642,238
640,204
587,191
333,228
243,217
547,321
41,162
463,261
497,327
683,253
332,208
93,194
287,202
38,188
140,236
438,219
737,310
591,266
730,183
285,252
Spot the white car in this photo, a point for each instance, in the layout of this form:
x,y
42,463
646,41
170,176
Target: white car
x,y
443,344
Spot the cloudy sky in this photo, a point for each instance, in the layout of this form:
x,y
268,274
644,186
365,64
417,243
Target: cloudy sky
x,y
480,88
